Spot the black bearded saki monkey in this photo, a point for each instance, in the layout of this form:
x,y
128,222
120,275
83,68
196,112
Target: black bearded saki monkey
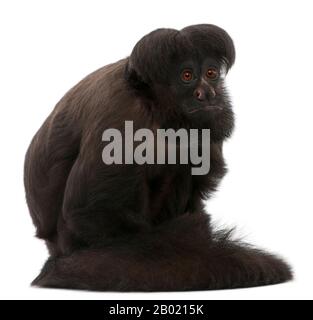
x,y
130,227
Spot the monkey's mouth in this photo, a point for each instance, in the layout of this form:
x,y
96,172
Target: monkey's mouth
x,y
206,108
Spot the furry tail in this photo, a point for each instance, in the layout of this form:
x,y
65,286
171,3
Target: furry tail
x,y
180,255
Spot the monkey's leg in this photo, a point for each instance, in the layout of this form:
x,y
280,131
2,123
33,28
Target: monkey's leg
x,y
48,162
177,255
102,202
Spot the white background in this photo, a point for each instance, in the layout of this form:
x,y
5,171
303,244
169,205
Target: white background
x,y
48,46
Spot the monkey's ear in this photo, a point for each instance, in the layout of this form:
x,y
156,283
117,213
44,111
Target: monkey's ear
x,y
134,79
213,41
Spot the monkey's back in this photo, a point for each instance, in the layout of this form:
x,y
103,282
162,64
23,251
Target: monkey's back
x,y
74,126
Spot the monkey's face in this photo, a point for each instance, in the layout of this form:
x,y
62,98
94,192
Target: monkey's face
x,y
197,86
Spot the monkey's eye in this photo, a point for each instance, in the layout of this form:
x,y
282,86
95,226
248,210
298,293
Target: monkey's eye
x,y
212,73
187,75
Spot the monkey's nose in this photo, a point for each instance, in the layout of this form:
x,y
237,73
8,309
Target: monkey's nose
x,y
199,94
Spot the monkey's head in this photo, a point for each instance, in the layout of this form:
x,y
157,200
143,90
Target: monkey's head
x,y
183,72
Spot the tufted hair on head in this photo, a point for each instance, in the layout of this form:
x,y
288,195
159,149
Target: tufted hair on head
x,y
157,51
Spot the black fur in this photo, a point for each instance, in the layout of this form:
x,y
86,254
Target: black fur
x,y
131,227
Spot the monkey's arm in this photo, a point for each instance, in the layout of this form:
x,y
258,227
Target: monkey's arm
x,y
205,185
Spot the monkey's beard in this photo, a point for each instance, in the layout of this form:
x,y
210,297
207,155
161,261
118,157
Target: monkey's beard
x,y
206,108
215,115
218,118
